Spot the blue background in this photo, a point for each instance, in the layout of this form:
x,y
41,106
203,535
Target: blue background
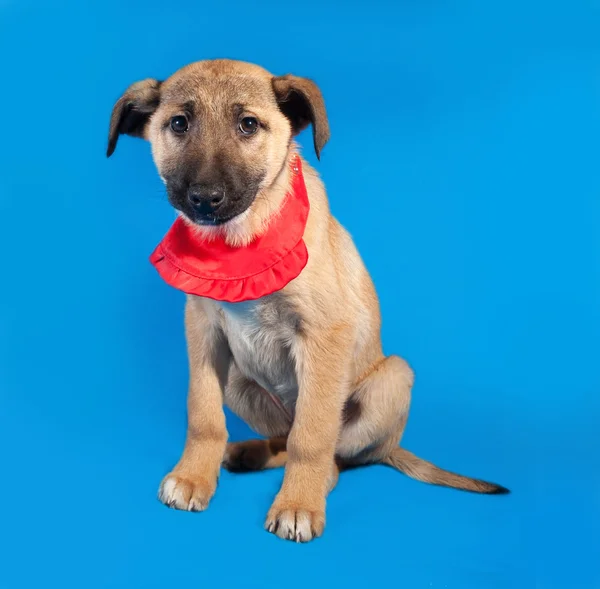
x,y
464,161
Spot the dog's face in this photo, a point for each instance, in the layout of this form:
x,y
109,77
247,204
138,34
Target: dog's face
x,y
220,132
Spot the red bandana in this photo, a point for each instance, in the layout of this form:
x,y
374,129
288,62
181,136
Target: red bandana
x,y
209,267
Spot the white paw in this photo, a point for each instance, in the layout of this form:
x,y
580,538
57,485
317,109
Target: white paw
x,y
298,525
186,493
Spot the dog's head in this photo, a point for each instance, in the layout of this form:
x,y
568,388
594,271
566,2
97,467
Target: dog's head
x,y
221,133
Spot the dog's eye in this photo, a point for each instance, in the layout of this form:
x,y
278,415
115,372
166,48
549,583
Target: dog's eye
x,y
248,126
179,124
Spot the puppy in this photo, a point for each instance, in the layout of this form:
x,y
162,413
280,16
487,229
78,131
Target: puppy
x,y
303,366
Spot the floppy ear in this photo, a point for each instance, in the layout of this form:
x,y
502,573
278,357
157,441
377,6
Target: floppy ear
x,y
301,101
132,111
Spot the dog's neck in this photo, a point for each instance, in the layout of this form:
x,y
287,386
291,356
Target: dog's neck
x,y
242,230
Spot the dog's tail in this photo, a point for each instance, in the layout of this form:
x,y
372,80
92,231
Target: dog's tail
x,y
426,472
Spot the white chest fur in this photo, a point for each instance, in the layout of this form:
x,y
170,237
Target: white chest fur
x,y
260,336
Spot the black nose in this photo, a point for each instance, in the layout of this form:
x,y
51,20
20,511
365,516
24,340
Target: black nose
x,y
205,199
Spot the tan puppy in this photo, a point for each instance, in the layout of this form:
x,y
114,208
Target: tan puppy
x,y
303,367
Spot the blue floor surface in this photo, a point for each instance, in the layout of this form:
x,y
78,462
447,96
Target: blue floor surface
x,y
464,160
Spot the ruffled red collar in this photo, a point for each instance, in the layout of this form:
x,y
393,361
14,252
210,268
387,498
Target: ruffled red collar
x,y
209,267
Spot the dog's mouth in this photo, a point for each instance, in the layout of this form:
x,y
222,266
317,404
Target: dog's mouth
x,y
211,221
213,200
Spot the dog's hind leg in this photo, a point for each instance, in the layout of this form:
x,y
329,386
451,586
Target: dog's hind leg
x,y
376,412
254,455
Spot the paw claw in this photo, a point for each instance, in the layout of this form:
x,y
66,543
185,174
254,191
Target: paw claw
x,y
297,525
185,493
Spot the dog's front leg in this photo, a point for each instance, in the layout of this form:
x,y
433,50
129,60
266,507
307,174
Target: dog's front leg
x,y
298,512
193,482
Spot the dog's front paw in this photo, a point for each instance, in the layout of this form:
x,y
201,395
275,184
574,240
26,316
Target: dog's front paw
x,y
297,523
190,493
